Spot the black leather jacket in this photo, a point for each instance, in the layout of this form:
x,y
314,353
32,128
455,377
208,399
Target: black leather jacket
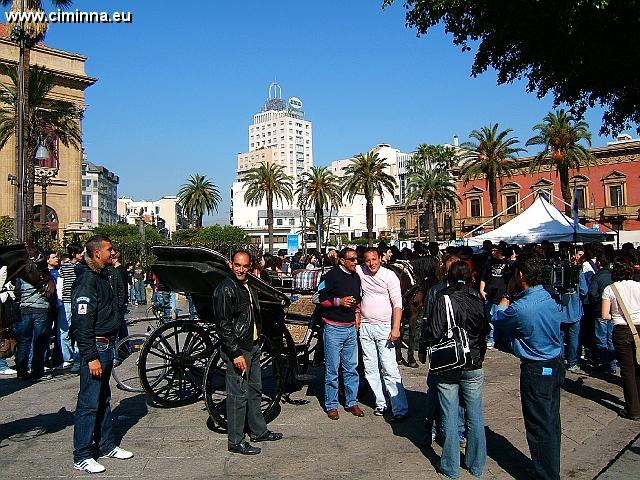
x,y
235,316
469,312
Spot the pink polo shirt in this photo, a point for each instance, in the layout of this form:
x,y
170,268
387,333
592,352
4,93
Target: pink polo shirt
x,y
380,295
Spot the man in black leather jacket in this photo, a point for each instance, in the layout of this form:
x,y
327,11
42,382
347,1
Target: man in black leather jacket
x,y
239,324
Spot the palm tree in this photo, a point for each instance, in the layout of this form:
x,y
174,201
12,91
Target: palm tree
x,y
320,189
432,188
27,34
268,181
366,176
560,133
492,155
197,196
45,119
430,157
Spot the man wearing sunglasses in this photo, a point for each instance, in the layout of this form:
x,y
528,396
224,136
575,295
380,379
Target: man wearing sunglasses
x,y
339,293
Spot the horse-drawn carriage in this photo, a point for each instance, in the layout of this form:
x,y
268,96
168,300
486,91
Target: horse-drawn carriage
x,y
180,361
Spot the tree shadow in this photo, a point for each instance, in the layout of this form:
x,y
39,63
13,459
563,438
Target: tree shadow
x,y
127,414
578,387
29,428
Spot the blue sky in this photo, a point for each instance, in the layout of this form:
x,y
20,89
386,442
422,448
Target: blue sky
x,y
178,87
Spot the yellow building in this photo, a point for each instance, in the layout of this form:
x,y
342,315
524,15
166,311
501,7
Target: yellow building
x,y
64,195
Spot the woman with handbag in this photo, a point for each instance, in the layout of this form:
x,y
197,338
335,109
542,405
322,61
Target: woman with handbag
x,y
621,305
458,345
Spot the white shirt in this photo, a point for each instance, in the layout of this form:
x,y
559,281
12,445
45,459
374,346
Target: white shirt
x,y
629,291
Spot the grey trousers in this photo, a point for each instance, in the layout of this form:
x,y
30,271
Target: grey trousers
x,y
244,395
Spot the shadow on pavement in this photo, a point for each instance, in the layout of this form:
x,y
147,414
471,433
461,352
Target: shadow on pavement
x,y
508,457
607,400
128,413
28,428
9,386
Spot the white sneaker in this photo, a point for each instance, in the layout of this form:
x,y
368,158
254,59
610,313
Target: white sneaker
x,y
8,371
118,453
379,411
89,465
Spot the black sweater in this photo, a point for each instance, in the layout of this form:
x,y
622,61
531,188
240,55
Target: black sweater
x,y
338,283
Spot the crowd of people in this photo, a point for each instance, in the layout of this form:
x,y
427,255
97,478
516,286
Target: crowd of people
x,y
566,310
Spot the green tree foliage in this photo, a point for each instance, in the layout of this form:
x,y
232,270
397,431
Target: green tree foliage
x,y
6,230
366,176
126,239
491,154
321,190
268,181
197,197
560,134
582,52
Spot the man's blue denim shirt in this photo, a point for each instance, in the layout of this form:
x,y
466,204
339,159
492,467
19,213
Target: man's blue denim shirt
x,y
532,324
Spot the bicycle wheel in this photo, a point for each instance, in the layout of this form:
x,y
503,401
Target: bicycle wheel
x,y
125,364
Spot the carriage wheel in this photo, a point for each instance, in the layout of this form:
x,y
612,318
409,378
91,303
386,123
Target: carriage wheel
x,y
173,361
215,394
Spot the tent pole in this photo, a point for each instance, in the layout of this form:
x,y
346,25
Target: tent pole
x,y
501,213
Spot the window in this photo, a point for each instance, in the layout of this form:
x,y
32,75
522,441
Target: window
x,y
511,202
291,221
86,200
475,207
279,221
349,222
581,196
616,195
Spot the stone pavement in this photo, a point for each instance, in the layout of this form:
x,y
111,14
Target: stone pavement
x,y
36,431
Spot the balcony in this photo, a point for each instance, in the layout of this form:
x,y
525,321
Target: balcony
x,y
627,211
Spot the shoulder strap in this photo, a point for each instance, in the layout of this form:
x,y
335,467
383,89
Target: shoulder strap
x,y
627,317
450,315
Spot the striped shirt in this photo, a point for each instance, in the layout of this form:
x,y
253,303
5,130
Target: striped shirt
x,y
67,273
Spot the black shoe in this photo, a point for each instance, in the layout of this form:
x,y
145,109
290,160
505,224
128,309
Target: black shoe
x,y
398,418
244,448
267,436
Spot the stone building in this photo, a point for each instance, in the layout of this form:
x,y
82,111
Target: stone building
x,y
64,194
99,195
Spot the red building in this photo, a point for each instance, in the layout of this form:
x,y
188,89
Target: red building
x,y
608,193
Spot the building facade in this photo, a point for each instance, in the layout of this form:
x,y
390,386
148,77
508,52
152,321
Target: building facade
x,y
165,213
99,195
64,192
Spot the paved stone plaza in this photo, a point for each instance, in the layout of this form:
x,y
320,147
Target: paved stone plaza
x,y
36,430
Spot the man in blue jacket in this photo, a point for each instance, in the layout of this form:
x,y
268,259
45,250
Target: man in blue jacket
x,y
94,324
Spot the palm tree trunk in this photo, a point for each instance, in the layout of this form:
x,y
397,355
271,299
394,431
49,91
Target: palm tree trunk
x,y
563,171
319,220
431,222
418,217
493,199
28,155
270,221
370,221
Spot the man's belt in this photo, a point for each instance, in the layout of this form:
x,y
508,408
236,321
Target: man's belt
x,y
103,340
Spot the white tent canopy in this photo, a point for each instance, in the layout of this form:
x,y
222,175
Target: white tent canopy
x,y
541,221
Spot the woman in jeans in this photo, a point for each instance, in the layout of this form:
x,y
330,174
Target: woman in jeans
x,y
465,383
622,276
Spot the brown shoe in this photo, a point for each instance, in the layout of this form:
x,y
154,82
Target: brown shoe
x,y
355,410
332,413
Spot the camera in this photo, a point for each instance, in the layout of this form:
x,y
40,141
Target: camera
x,y
560,277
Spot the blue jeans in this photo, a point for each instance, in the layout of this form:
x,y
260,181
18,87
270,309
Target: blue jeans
x,y
340,348
432,415
604,343
34,327
92,435
466,386
488,307
571,334
141,295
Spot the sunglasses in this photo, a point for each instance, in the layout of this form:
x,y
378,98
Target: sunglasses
x,y
351,259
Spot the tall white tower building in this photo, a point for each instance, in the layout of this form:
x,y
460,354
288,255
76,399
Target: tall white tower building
x,y
279,128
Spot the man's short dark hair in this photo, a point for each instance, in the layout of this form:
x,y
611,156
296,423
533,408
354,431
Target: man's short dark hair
x,y
531,265
74,249
241,250
371,250
344,251
95,243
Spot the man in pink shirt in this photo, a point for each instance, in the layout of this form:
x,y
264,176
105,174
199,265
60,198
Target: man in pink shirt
x,y
380,313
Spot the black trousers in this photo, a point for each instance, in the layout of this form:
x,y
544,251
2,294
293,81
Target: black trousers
x,y
629,369
244,395
540,383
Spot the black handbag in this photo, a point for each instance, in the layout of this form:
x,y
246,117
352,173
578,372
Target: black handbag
x,y
452,351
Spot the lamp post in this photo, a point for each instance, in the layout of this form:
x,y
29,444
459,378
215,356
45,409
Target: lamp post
x,y
43,175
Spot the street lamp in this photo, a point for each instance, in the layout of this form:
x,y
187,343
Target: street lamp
x,y
44,174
